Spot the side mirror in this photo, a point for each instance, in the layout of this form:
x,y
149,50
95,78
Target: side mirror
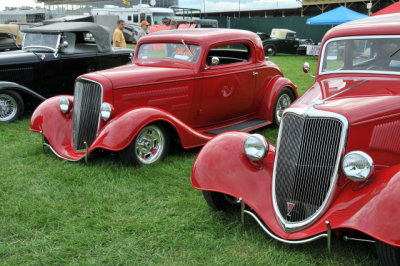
x,y
214,61
306,69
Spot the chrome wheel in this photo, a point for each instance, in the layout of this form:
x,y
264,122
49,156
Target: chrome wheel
x,y
149,145
283,102
8,108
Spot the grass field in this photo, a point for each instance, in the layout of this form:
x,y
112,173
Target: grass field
x,y
57,212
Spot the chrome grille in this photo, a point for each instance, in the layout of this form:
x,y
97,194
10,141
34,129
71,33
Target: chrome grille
x,y
87,102
305,166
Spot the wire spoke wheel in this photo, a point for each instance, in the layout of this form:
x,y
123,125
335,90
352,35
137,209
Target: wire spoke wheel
x,y
10,106
149,145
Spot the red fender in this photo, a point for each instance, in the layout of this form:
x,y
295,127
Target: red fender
x,y
121,130
274,87
115,135
222,166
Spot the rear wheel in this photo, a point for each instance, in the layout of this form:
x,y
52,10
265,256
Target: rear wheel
x,y
149,146
388,255
283,101
11,106
270,50
220,201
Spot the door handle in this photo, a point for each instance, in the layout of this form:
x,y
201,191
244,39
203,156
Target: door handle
x,y
255,73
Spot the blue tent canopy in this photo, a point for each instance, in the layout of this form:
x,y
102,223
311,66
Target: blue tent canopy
x,y
335,16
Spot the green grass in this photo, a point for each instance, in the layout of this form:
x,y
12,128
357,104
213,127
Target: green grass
x,y
57,212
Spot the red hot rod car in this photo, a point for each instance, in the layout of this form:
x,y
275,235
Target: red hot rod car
x,y
192,86
336,165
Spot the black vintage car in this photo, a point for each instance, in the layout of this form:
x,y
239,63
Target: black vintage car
x,y
10,37
52,56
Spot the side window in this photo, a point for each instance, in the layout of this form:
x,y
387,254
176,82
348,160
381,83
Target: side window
x,y
229,54
135,18
363,51
142,17
129,18
148,19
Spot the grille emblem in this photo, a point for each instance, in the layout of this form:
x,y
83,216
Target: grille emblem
x,y
290,207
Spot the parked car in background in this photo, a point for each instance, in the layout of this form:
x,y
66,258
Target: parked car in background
x,y
336,166
51,58
10,37
283,41
189,86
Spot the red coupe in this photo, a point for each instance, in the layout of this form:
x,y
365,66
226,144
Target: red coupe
x,y
336,166
189,84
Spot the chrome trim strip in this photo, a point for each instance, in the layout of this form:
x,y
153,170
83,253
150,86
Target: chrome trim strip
x,y
101,102
58,155
346,238
306,112
320,73
301,241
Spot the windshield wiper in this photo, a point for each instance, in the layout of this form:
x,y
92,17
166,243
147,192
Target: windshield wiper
x,y
187,47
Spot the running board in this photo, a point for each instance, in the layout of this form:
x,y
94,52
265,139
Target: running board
x,y
243,126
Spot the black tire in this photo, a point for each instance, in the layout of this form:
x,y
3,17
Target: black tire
x,y
138,152
219,201
284,99
270,50
11,106
388,255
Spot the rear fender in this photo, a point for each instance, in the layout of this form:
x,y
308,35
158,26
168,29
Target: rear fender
x,y
272,91
117,134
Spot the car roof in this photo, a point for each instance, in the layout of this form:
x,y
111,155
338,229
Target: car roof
x,y
200,36
100,33
376,25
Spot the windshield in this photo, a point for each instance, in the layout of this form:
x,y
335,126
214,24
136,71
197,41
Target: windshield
x,y
41,40
157,17
361,55
189,53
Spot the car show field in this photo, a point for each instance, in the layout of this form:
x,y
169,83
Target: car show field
x,y
57,212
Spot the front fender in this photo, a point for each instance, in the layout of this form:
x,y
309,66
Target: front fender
x,y
376,206
272,91
121,130
115,135
6,85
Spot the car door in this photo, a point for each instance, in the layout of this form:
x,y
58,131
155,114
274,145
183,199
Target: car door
x,y
227,86
51,75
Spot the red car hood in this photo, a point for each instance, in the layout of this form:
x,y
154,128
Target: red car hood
x,y
139,75
369,98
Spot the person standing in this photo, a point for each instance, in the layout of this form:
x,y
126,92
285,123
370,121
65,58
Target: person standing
x,y
143,31
118,38
173,25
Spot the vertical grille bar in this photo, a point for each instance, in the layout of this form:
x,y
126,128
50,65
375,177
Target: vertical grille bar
x,y
305,167
87,103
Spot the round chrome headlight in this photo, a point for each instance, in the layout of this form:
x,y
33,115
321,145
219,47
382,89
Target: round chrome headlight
x,y
357,166
255,147
64,104
105,111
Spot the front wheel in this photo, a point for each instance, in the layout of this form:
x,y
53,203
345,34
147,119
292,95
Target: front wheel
x,y
149,146
220,201
283,101
11,106
388,255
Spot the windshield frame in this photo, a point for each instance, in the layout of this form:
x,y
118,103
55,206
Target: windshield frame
x,y
54,50
349,71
